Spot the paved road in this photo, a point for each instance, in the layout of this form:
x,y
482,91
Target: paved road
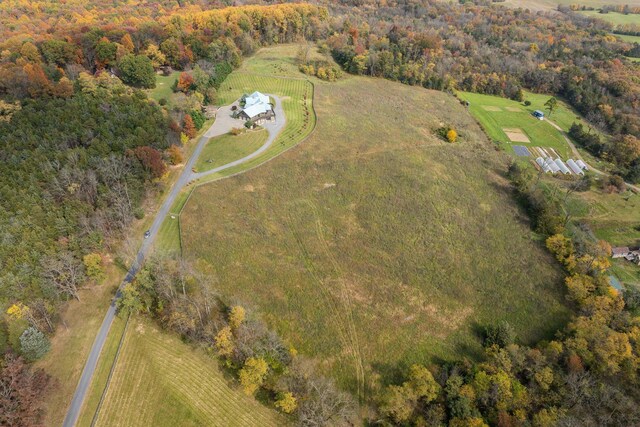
x,y
222,125
577,155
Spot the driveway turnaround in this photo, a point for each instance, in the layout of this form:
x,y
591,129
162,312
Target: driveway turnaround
x,y
223,124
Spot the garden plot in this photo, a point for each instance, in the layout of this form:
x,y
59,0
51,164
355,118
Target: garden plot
x,y
521,151
516,135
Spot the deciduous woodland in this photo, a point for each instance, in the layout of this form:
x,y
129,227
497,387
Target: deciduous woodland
x,y
81,146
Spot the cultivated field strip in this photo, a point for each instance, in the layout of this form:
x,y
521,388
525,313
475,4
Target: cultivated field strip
x,y
178,386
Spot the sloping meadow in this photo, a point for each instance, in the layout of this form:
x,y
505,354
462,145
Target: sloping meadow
x,y
375,244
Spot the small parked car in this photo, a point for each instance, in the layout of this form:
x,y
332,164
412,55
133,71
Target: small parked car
x,y
147,234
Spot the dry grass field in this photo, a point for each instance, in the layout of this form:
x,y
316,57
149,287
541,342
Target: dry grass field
x,y
374,244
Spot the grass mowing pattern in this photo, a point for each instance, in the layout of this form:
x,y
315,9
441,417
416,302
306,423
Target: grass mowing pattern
x,y
375,244
160,381
296,95
227,148
540,133
101,375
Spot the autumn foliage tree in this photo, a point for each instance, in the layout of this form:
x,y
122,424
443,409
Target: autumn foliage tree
x,y
185,82
174,153
188,127
151,161
21,393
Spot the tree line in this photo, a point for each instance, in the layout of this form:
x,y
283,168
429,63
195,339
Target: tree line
x,y
496,51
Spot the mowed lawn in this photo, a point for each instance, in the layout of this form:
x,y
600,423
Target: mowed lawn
x,y
614,17
280,60
374,244
227,148
160,381
496,114
163,87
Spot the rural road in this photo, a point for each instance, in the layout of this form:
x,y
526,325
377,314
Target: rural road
x,y
577,155
222,125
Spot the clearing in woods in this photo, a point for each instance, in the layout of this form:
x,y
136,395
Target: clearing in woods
x,y
161,381
509,121
374,244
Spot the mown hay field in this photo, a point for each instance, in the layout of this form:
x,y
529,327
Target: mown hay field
x,y
160,381
374,244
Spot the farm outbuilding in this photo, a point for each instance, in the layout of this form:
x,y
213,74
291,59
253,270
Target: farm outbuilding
x,y
582,165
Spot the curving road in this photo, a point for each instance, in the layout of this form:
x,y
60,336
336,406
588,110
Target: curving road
x,y
577,155
222,125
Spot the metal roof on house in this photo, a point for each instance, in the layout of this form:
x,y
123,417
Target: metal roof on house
x,y
256,109
621,250
255,98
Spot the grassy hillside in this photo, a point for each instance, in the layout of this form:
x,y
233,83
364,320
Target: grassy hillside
x,y
375,244
160,381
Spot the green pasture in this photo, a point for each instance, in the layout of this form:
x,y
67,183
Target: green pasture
x,y
613,17
495,114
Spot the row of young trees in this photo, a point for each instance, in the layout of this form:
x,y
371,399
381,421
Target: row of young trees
x,y
184,300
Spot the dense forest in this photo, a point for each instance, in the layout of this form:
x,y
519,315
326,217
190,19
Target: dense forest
x,y
82,145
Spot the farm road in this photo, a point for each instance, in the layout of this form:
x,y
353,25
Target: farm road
x,y
577,155
223,124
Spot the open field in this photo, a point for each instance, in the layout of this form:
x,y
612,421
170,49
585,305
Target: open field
x,y
553,4
613,217
160,381
163,86
374,244
101,376
504,120
279,60
630,39
613,17
227,148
